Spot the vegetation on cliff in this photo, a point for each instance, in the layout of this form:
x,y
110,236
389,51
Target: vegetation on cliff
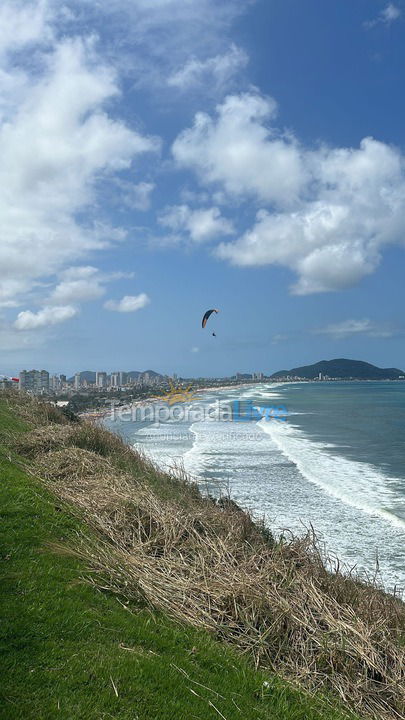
x,y
172,565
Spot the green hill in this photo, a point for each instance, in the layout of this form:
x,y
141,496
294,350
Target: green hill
x,y
126,593
342,368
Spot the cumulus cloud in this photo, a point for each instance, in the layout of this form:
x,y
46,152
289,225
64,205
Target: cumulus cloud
x,y
348,328
326,213
78,283
56,144
129,303
218,70
28,320
82,283
60,136
237,149
201,225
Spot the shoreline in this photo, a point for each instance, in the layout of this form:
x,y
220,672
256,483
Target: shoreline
x,y
98,414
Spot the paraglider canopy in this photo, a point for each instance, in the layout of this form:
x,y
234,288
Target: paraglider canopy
x,y
207,315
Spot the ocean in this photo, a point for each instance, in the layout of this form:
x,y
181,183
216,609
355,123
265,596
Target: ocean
x,y
327,455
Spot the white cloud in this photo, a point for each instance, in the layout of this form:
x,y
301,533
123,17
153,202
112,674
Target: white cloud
x,y
28,320
326,214
388,15
237,150
348,328
56,144
129,303
154,38
201,225
195,349
82,283
78,283
218,70
24,22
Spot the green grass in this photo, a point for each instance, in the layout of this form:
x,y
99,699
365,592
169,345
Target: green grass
x,y
69,651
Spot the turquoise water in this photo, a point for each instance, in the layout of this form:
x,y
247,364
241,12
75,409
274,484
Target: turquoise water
x,y
336,462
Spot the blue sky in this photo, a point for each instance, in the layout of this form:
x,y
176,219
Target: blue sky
x,y
160,157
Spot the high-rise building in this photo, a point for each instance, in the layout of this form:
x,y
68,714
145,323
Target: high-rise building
x,y
122,379
115,379
54,383
34,381
78,380
101,379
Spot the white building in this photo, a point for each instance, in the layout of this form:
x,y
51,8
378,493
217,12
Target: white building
x,y
101,379
115,379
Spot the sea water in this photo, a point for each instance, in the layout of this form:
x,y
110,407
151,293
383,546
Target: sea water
x,y
333,460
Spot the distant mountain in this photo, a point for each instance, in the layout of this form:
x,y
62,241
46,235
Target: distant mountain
x,y
342,368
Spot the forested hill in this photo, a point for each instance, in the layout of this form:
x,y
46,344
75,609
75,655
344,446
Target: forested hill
x,y
342,368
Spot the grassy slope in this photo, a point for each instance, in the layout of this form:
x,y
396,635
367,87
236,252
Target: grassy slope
x,y
64,645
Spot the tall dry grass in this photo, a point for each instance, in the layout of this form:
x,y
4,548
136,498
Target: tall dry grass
x,y
207,563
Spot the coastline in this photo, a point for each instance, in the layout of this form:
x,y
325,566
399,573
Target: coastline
x,y
99,414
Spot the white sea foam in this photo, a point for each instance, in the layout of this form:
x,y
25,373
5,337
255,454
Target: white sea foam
x,y
276,470
358,484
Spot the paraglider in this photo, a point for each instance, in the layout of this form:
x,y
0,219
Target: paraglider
x,y
207,315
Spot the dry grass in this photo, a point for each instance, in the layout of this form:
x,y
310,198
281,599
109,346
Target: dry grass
x,y
32,410
42,440
208,564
